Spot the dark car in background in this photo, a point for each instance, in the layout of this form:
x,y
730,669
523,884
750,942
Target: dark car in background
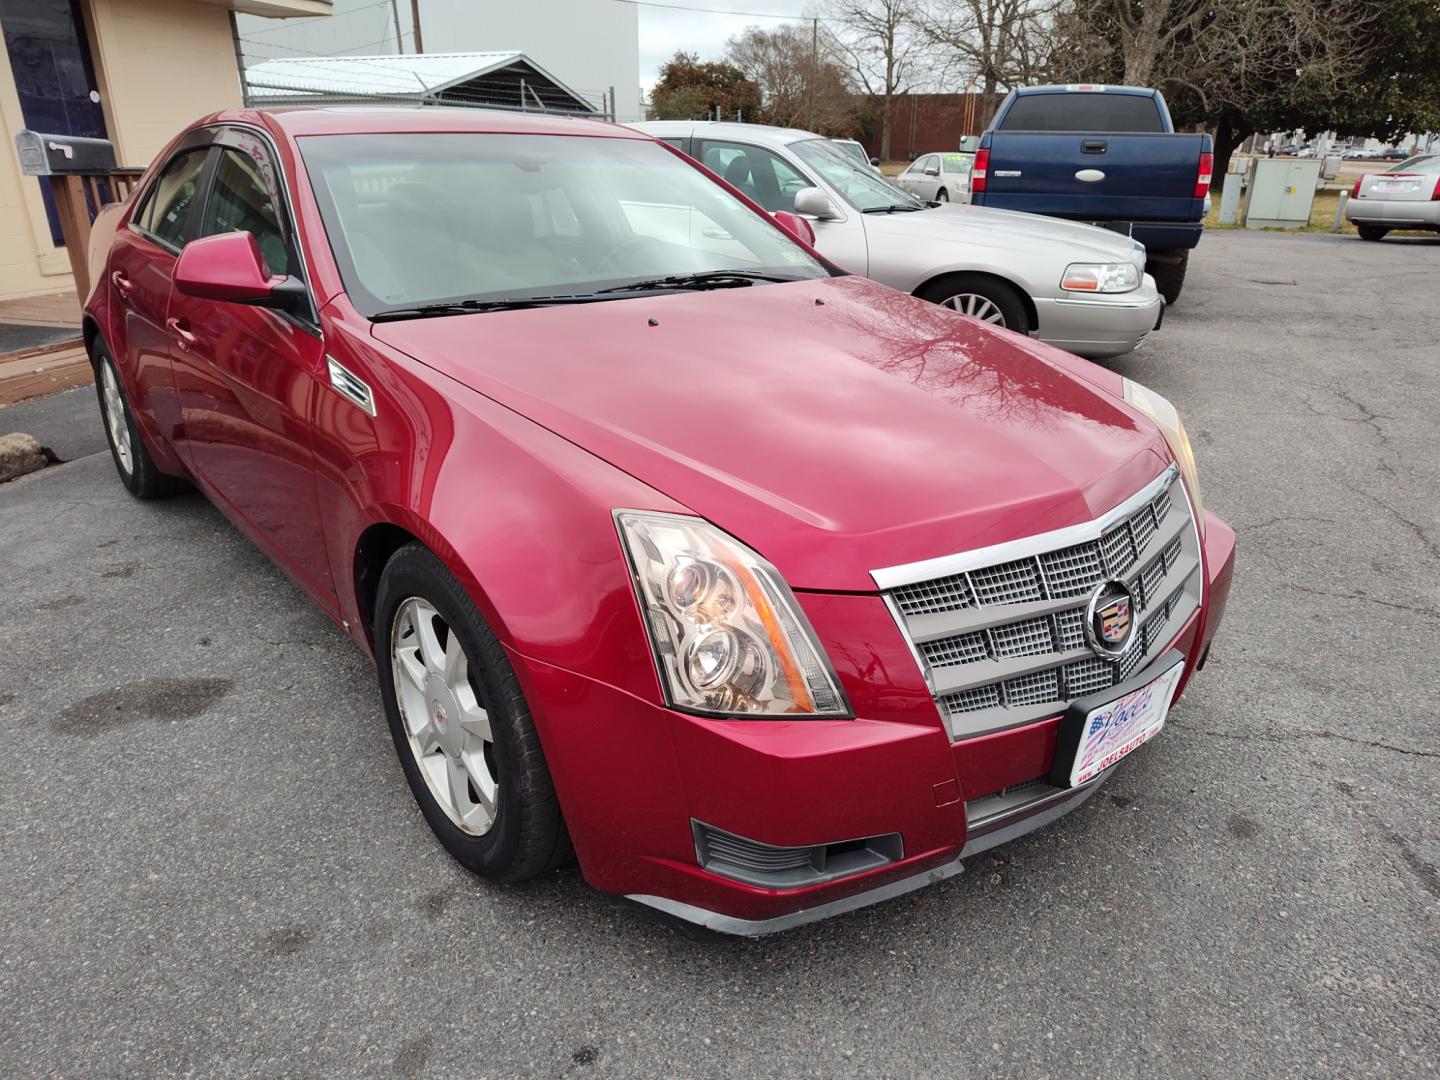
x,y
1108,155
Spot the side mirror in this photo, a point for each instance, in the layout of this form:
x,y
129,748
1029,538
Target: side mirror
x,y
875,161
932,171
813,202
230,268
796,226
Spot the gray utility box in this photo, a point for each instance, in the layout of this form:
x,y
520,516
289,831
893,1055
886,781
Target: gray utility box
x,y
1281,192
63,155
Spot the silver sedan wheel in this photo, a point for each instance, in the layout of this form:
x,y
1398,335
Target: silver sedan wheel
x,y
115,422
448,727
943,196
976,306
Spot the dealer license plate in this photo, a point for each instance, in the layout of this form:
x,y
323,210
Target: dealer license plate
x,y
1394,185
1123,726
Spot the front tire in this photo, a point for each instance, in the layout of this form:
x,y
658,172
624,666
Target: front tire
x,y
1168,269
137,469
981,297
942,195
461,725
1372,232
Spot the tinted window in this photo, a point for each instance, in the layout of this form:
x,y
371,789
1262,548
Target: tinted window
x,y
166,212
242,200
768,179
1082,111
419,218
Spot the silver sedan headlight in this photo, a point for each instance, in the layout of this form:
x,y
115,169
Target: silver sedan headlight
x,y
1101,277
728,636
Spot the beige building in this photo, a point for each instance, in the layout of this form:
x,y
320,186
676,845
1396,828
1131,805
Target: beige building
x,y
132,71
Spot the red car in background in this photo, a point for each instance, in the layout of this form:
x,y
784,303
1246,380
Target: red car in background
x,y
770,590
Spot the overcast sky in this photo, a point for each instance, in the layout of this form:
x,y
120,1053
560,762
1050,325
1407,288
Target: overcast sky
x,y
666,29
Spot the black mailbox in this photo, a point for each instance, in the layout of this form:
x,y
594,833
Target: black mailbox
x,y
59,155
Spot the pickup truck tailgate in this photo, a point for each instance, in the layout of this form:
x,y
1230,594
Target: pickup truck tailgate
x,y
1100,177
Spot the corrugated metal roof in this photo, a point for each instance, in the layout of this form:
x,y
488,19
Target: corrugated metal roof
x,y
418,75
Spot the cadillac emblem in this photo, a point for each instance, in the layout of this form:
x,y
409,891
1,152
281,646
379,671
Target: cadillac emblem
x,y
1110,620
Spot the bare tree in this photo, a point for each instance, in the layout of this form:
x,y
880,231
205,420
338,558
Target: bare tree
x,y
802,81
994,43
883,49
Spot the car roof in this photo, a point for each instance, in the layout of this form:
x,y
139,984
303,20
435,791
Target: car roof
x,y
370,120
722,129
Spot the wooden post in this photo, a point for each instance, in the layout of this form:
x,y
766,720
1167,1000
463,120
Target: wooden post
x,y
69,195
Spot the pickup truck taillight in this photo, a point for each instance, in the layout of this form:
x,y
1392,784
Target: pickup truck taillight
x,y
1202,177
978,170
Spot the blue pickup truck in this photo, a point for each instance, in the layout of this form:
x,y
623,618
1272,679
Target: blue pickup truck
x,y
1108,155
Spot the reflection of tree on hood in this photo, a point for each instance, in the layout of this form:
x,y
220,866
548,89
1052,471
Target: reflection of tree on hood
x,y
989,371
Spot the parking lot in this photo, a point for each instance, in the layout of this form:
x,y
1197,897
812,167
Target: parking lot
x,y
212,865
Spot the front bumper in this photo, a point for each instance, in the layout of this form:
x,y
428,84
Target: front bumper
x,y
634,779
1394,213
1096,327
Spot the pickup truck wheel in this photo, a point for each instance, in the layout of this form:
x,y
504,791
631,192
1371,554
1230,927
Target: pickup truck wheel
x,y
1168,269
981,297
1372,232
137,469
942,195
461,726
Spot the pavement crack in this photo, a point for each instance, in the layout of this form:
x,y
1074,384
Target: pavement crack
x,y
1415,528
1297,736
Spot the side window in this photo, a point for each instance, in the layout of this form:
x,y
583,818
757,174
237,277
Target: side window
x,y
677,141
766,177
166,212
929,162
242,199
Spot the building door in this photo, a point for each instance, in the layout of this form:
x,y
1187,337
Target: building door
x,y
55,81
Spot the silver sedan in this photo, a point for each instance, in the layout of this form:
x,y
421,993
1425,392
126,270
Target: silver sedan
x,y
1404,197
1076,286
938,177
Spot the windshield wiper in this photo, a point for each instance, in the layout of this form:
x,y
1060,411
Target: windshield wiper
x,y
467,307
894,208
706,279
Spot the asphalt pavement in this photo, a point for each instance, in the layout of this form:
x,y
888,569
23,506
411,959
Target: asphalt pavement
x,y
211,865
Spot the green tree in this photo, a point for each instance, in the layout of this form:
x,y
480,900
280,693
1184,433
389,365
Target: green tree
x,y
690,90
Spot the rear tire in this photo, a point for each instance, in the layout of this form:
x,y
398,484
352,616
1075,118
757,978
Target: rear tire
x,y
137,469
485,789
982,297
1372,232
1168,269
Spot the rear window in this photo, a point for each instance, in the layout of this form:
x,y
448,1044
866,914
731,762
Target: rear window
x,y
1429,164
1082,111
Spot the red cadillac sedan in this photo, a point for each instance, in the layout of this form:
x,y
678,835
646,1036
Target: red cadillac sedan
x,y
766,591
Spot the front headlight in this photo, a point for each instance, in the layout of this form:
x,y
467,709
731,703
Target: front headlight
x,y
1163,413
1101,277
728,637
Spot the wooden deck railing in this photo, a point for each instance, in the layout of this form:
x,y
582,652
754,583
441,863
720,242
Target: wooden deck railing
x,y
77,200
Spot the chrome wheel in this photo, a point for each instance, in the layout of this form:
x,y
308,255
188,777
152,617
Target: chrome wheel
x,y
976,306
446,723
115,422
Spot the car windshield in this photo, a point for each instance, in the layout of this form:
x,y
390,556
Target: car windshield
x,y
419,219
859,185
1428,164
854,149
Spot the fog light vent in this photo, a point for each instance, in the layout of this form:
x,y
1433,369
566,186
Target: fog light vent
x,y
775,867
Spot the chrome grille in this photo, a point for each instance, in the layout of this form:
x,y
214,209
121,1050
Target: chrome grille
x,y
1001,638
943,594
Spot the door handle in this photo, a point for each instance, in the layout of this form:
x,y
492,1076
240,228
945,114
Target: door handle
x,y
121,283
1094,146
182,335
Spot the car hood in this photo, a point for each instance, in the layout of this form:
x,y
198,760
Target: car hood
x,y
1071,241
835,426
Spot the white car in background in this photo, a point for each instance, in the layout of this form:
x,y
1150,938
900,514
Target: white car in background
x,y
938,177
1076,286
